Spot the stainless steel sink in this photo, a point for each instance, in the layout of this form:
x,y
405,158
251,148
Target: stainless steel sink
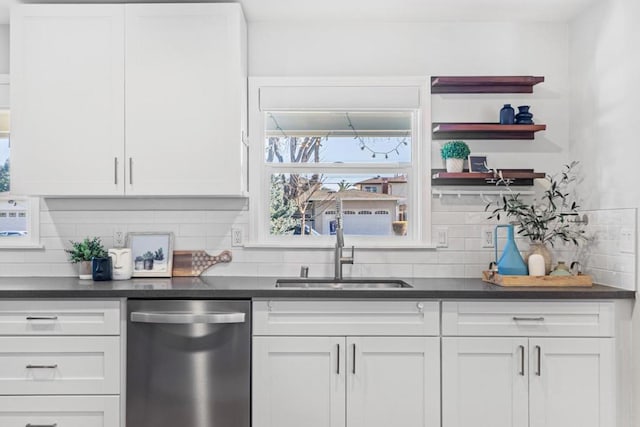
x,y
341,284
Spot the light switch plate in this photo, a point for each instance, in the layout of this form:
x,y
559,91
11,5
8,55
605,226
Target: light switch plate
x,y
627,241
442,237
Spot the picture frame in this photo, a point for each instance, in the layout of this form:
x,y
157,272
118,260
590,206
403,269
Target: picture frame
x,y
478,164
151,253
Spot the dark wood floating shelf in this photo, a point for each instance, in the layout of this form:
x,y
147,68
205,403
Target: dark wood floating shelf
x,y
484,84
512,176
484,131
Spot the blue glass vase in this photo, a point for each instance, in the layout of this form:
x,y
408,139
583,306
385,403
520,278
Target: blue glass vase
x,y
507,115
511,262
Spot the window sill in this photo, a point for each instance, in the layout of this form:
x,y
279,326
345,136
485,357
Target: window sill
x,y
20,247
325,245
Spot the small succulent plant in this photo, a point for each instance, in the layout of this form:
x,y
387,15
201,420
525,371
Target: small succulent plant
x,y
158,255
86,250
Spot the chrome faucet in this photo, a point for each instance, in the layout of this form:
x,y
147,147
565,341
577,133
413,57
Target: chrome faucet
x,y
339,259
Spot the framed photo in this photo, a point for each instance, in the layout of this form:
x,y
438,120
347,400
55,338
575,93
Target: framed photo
x,y
151,253
478,164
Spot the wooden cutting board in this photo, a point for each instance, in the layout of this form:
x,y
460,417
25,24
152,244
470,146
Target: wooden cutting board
x,y
193,263
543,281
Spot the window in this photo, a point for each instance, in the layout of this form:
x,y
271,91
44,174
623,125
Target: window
x,y
19,216
321,144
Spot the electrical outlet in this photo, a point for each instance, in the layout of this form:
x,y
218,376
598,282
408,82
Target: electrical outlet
x,y
486,237
118,239
442,237
627,241
236,236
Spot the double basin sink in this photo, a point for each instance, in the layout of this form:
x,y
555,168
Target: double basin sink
x,y
363,284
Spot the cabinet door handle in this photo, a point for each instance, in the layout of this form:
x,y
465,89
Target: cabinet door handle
x,y
338,359
353,368
521,360
41,366
538,352
42,317
41,425
115,170
528,319
130,170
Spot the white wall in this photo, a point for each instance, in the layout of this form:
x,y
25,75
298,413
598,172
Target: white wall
x,y
407,49
605,65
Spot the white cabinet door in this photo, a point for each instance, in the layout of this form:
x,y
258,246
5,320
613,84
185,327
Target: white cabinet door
x,y
67,96
298,381
571,382
484,382
393,381
186,76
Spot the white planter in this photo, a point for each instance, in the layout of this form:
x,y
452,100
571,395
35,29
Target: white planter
x,y
84,270
455,165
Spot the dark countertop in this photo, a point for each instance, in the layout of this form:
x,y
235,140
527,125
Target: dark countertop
x,y
264,287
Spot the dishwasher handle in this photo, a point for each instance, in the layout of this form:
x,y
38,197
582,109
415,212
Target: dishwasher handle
x,y
187,318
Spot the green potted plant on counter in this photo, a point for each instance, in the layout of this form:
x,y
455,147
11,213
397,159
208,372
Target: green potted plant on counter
x,y
83,252
454,154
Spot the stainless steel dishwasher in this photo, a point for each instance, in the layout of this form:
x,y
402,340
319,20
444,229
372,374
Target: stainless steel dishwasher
x,y
188,363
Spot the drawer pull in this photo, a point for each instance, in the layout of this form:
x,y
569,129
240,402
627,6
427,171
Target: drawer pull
x,y
528,319
42,317
41,425
41,366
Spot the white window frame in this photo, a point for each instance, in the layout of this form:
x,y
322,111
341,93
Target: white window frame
x,y
419,171
32,239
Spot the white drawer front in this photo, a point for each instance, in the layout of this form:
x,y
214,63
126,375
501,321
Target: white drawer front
x,y
288,317
55,317
59,365
527,318
62,411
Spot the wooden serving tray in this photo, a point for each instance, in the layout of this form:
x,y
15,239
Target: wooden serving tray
x,y
194,263
545,281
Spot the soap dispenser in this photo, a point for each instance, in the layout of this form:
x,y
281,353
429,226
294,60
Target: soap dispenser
x,y
511,262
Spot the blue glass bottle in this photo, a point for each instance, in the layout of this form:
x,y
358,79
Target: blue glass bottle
x,y
507,115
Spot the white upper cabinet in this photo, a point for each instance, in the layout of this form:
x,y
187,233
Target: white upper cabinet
x,y
67,96
185,98
135,99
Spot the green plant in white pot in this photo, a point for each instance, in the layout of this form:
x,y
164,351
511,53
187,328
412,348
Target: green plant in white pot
x,y
83,252
455,153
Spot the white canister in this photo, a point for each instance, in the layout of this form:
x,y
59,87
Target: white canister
x,y
122,263
536,265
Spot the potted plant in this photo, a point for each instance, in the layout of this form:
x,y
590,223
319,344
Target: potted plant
x,y
546,220
148,260
139,263
83,252
454,153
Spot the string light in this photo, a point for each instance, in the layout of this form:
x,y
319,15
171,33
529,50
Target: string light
x,y
364,146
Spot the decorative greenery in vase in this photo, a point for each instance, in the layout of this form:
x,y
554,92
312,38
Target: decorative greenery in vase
x,y
86,250
547,220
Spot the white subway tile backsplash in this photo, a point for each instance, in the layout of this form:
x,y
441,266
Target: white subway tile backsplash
x,y
464,256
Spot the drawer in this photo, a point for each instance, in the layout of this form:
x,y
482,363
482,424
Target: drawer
x,y
56,317
528,318
61,411
291,317
59,365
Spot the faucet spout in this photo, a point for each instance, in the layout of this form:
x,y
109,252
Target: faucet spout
x,y
339,259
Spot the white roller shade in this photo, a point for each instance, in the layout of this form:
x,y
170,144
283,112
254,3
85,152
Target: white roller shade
x,y
339,97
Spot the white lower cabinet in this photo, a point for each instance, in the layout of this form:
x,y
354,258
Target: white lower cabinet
x,y
346,381
60,363
527,381
60,411
346,363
